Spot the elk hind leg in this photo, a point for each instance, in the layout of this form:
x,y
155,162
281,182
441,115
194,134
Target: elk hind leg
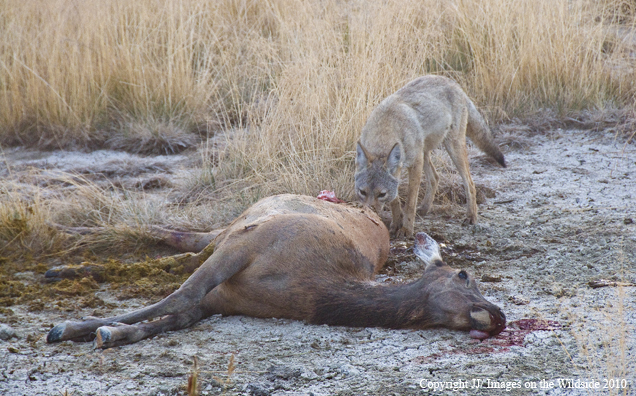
x,y
185,241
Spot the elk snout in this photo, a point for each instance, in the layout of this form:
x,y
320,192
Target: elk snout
x,y
486,321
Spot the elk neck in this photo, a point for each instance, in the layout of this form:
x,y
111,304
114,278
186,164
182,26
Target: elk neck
x,y
371,304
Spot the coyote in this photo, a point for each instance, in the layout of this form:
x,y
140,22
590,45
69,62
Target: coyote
x,y
402,131
298,257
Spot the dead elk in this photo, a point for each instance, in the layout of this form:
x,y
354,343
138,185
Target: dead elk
x,y
301,258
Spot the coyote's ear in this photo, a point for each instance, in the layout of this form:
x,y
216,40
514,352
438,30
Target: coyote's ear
x,y
394,160
362,157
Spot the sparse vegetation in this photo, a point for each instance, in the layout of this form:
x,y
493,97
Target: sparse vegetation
x,y
270,97
294,79
282,87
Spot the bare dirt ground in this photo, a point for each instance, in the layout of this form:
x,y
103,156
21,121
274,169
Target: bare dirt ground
x,y
563,215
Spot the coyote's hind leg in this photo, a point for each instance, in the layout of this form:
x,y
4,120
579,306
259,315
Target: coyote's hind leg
x,y
458,153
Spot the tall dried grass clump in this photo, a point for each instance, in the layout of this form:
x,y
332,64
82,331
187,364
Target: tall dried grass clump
x,y
292,80
24,225
30,217
81,73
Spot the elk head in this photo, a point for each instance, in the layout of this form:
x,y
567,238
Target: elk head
x,y
454,301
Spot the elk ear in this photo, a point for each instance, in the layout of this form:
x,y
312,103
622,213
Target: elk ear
x,y
427,249
394,160
362,156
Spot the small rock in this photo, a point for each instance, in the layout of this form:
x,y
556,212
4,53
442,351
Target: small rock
x,y
284,372
518,300
6,332
153,183
255,389
628,220
543,219
556,290
490,278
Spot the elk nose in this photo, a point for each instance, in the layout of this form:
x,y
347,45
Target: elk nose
x,y
499,320
487,321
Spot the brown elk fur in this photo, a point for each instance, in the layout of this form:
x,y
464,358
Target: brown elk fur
x,y
301,258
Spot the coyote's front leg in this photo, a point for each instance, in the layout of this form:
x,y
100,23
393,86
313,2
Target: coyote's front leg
x,y
397,218
407,225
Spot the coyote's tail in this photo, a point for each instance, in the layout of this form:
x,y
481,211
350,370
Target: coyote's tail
x,y
478,131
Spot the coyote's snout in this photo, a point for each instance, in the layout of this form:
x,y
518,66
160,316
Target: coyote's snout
x,y
402,131
302,258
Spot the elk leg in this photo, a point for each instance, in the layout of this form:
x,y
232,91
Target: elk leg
x,y
85,330
112,336
222,265
185,241
181,240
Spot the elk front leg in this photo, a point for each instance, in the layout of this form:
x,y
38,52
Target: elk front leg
x,y
85,330
222,265
112,336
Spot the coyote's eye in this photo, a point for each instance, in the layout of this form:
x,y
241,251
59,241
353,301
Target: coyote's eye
x,y
362,193
382,195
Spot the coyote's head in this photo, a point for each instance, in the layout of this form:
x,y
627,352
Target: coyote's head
x,y
377,178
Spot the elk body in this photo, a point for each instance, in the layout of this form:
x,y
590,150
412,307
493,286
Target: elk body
x,y
301,258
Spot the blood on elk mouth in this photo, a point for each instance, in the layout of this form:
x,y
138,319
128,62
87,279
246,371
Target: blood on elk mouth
x,y
478,334
500,325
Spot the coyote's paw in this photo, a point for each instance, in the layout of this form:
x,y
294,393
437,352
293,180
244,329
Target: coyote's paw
x,y
470,221
401,231
423,209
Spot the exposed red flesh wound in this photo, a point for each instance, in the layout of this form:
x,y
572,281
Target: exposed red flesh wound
x,y
329,196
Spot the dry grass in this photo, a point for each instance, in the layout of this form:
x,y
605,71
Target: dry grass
x,y
276,90
602,340
296,78
24,224
603,336
28,215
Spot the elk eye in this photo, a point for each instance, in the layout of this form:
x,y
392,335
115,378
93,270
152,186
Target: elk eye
x,y
462,274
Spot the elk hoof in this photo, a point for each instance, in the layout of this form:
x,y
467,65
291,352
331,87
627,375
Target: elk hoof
x,y
103,336
56,333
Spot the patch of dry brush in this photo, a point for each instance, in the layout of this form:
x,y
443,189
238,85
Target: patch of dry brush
x,y
277,91
296,78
